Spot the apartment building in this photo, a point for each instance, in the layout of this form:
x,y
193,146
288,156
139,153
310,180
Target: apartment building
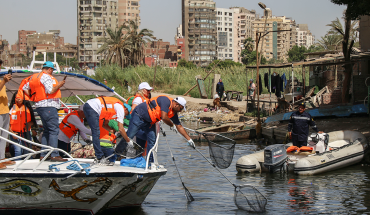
x,y
94,17
199,29
304,36
225,33
22,41
276,44
128,10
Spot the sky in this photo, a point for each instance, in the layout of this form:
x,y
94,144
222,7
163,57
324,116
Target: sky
x,y
161,16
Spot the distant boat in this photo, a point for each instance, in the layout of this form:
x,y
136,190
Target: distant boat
x,y
235,131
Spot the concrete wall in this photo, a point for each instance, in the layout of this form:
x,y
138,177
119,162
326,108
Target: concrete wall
x,y
365,41
359,88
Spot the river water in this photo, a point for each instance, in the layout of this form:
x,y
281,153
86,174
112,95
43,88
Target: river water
x,y
345,191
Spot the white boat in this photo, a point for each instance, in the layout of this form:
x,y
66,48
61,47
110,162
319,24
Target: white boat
x,y
36,185
341,149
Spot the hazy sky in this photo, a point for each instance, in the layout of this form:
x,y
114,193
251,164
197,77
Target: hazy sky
x,y
161,16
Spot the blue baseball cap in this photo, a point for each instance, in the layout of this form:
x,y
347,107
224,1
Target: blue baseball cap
x,y
48,64
129,110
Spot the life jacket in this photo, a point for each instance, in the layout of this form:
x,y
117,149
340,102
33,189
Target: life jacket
x,y
106,137
292,149
142,98
18,118
155,113
38,89
130,100
305,149
69,129
108,111
21,93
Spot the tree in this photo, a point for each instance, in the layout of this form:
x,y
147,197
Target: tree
x,y
223,64
116,48
329,42
248,55
314,48
337,29
296,53
355,9
138,40
186,64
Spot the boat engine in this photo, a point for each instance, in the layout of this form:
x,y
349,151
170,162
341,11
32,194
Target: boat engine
x,y
319,142
275,157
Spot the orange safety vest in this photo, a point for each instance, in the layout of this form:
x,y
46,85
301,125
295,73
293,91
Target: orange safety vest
x,y
108,111
38,90
292,149
143,98
128,100
155,113
20,93
69,129
306,149
18,118
106,135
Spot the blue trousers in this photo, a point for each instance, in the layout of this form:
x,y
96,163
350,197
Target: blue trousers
x,y
107,152
92,118
137,124
16,150
50,124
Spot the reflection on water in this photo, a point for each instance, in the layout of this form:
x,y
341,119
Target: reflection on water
x,y
345,191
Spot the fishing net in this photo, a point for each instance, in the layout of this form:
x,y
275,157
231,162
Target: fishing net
x,y
221,153
248,198
127,151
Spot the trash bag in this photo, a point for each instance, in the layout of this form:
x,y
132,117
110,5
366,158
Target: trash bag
x,y
138,162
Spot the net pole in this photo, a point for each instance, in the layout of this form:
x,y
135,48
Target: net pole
x,y
208,133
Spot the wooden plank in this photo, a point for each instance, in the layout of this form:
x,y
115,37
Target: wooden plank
x,y
202,89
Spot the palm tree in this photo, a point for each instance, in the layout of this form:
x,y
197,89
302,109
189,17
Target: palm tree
x,y
337,29
329,42
116,47
248,44
138,40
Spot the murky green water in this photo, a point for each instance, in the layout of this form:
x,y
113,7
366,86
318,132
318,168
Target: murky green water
x,y
345,191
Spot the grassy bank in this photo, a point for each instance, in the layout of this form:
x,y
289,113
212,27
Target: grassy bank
x,y
179,80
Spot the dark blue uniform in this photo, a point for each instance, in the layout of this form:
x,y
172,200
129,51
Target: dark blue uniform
x,y
299,126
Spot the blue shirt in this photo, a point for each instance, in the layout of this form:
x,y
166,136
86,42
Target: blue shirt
x,y
299,125
163,102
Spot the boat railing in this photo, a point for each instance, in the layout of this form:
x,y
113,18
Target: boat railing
x,y
154,149
48,149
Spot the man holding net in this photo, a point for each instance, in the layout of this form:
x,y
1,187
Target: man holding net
x,y
145,115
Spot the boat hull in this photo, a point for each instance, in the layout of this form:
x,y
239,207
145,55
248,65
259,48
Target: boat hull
x,y
81,194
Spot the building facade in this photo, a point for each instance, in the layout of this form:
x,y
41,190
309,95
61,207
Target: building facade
x,y
22,41
199,29
225,33
304,36
275,44
128,10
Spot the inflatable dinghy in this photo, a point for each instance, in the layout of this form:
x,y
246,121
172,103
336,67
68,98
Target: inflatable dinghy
x,y
331,151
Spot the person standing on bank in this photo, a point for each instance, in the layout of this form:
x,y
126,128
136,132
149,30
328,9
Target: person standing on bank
x,y
298,126
147,114
44,89
220,89
71,124
4,113
252,89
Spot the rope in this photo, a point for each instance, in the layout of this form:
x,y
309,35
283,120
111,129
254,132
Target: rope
x,y
72,166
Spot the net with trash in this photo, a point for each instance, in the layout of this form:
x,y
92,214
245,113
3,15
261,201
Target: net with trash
x,y
248,198
125,150
221,153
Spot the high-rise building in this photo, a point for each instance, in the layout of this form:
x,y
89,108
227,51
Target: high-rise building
x,y
128,10
276,44
199,29
304,36
225,34
94,17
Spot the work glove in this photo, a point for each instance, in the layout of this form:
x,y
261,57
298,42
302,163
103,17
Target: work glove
x,y
88,142
191,143
130,144
173,128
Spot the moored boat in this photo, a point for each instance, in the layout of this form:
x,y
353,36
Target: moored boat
x,y
341,149
235,131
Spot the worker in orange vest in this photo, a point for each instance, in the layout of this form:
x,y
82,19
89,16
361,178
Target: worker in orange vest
x,y
147,114
21,120
105,109
70,126
44,89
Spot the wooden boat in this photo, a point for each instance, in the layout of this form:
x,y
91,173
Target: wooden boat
x,y
235,131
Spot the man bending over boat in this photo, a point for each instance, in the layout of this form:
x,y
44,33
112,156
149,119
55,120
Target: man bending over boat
x,y
104,109
71,124
298,126
145,115
44,89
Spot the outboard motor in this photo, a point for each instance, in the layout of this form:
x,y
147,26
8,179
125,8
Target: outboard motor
x,y
319,142
275,157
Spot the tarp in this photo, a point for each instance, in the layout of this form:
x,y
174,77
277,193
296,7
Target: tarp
x,y
76,84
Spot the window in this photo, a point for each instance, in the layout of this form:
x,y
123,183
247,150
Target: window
x,y
230,19
230,55
230,45
230,24
88,45
230,50
230,14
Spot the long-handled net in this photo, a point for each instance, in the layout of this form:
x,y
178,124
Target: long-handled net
x,y
188,195
222,152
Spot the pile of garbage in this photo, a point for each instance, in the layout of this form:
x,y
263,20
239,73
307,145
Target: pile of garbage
x,y
213,116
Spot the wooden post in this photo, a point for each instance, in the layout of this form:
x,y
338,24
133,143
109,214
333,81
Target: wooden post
x,y
336,77
304,80
246,73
